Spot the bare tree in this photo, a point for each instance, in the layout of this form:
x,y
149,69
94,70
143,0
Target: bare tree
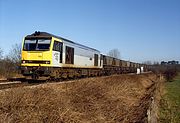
x,y
9,64
156,63
147,62
15,53
114,53
1,53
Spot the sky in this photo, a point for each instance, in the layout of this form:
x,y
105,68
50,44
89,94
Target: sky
x,y
142,30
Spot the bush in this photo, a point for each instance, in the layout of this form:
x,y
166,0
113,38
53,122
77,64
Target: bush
x,y
8,68
9,63
170,73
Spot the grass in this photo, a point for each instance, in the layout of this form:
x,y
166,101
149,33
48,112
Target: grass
x,y
91,100
170,102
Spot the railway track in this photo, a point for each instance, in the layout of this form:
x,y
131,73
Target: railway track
x,y
6,85
18,82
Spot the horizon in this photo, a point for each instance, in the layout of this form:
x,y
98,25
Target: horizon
x,y
140,30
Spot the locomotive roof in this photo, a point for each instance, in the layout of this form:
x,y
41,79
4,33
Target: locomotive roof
x,y
48,35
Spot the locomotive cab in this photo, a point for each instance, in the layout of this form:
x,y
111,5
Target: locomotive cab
x,y
36,51
39,53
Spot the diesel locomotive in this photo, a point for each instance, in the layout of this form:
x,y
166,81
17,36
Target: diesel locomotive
x,y
47,55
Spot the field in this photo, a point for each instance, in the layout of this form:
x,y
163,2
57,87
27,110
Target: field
x,y
110,99
170,103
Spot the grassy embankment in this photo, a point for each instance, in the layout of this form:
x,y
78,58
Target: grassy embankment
x,y
108,99
170,103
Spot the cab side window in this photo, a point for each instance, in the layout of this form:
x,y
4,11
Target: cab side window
x,y
58,46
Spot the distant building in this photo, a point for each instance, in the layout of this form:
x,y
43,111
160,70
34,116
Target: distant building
x,y
163,63
173,62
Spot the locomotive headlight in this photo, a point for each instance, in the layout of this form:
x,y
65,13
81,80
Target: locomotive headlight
x,y
23,62
47,62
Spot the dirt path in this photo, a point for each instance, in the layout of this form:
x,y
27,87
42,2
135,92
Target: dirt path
x,y
110,99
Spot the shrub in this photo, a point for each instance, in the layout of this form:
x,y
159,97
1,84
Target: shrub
x,y
170,73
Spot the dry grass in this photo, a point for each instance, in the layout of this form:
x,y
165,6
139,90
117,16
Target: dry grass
x,y
91,100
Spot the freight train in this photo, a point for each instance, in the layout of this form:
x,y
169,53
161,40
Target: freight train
x,y
47,55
